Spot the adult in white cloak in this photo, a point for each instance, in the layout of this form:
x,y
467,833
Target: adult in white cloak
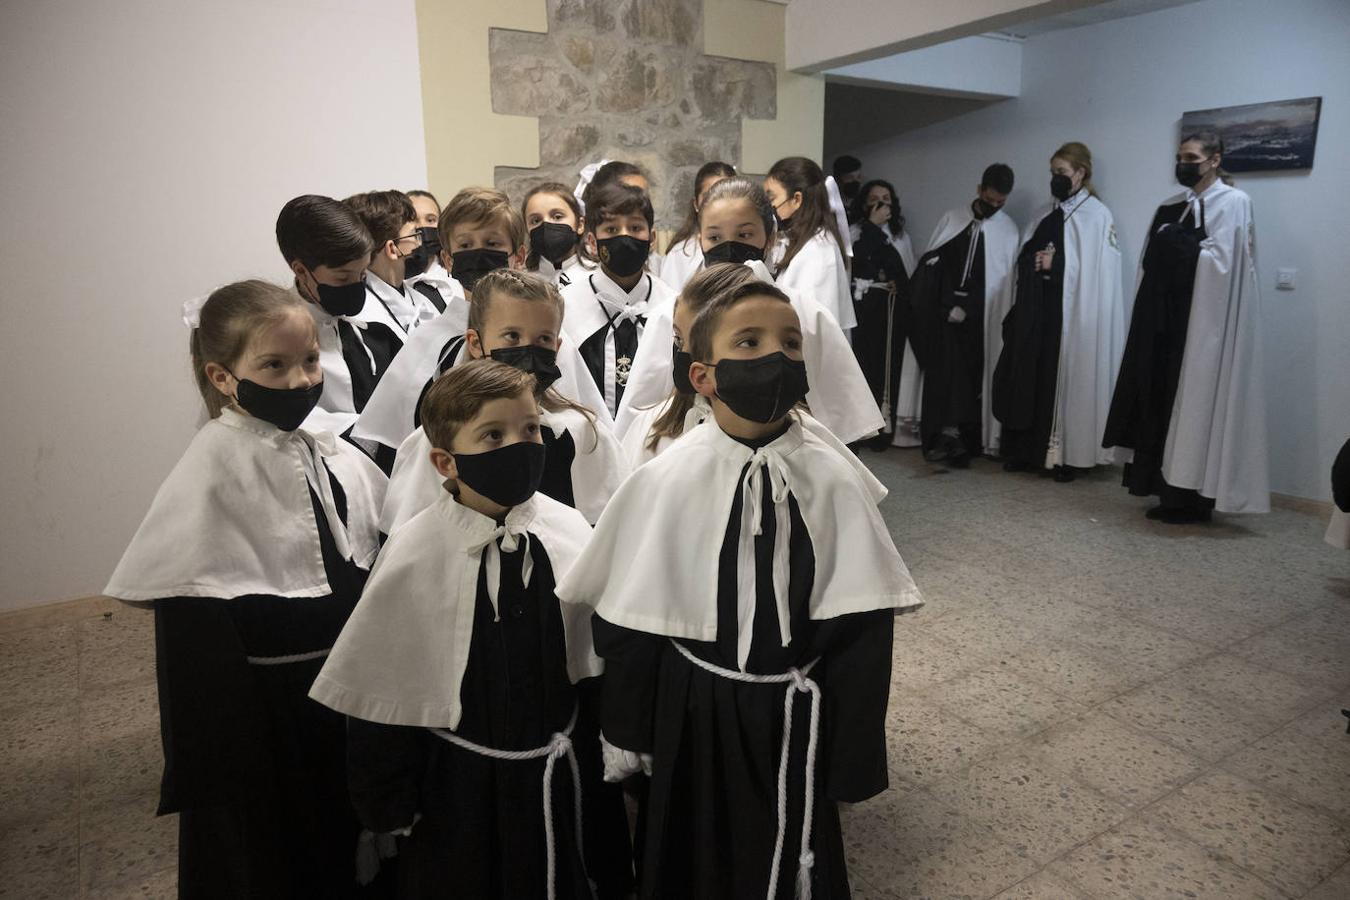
x,y
1190,401
1063,339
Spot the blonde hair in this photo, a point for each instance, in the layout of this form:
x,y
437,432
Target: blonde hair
x,y
531,288
481,206
228,320
461,393
1079,156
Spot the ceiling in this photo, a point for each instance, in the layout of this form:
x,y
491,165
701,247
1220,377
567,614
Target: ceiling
x,y
1091,15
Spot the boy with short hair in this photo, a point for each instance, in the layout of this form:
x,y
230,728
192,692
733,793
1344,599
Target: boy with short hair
x,y
328,248
746,561
400,255
480,231
607,309
463,674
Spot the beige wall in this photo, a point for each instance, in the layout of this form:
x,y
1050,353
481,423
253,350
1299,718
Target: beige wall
x,y
466,140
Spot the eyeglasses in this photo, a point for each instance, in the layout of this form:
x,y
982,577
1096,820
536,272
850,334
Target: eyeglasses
x,y
415,236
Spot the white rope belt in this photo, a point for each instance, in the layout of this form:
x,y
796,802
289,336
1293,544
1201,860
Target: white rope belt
x,y
560,745
797,681
287,660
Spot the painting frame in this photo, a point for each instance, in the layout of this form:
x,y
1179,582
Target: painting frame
x,y
1275,136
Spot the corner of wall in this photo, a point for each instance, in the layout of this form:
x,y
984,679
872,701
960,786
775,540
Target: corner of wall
x,y
756,29
465,139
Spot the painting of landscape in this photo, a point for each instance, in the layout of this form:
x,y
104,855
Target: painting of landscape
x,y
1262,137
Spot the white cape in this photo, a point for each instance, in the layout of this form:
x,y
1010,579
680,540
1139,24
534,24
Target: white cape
x,y
234,516
681,263
839,397
1001,244
390,414
1217,442
590,300
818,272
1092,336
598,468
635,446
636,574
401,657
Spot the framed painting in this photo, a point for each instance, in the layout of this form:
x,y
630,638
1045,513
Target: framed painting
x,y
1262,137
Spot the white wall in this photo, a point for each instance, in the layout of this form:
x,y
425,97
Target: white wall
x,y
1121,87
976,66
146,149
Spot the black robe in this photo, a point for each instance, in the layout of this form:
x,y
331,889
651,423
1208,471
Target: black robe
x,y
627,334
711,815
383,345
1141,409
883,316
951,354
481,831
256,769
1026,378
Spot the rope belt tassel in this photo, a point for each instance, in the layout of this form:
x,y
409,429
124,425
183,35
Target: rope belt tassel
x,y
559,745
797,682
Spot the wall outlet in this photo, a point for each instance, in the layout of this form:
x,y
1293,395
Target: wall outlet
x,y
1285,279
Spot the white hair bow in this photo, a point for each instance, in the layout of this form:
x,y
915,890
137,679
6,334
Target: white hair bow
x,y
192,310
840,214
587,176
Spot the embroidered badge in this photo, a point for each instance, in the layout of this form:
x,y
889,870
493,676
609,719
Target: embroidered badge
x,y
1111,238
622,366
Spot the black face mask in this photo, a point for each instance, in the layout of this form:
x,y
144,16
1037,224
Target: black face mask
x,y
416,262
470,265
762,389
285,408
1061,187
341,300
553,241
508,476
680,363
732,252
983,208
540,362
623,255
1188,174
431,239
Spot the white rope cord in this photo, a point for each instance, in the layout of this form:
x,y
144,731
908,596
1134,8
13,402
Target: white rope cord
x,y
560,745
287,660
797,681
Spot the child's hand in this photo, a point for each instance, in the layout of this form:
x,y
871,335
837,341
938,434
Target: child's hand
x,y
620,763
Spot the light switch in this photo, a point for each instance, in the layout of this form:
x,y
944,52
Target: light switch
x,y
1285,278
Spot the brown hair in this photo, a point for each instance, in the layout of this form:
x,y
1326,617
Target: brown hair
x,y
481,206
1077,154
562,192
384,213
797,173
529,287
700,342
1211,142
320,231
614,199
229,318
698,293
461,393
707,171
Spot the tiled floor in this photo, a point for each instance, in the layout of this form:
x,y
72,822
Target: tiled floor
x,y
1090,705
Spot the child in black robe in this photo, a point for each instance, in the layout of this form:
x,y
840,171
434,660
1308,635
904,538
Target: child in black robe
x,y
745,588
253,554
463,675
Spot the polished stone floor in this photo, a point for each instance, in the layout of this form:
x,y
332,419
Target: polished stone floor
x,y
1091,705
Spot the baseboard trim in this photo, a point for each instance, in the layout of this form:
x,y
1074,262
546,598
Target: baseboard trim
x,y
62,612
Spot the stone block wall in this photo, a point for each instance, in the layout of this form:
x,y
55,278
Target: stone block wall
x,y
626,79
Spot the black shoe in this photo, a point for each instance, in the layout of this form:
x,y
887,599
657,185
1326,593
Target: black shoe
x,y
881,443
1016,465
1064,474
959,461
